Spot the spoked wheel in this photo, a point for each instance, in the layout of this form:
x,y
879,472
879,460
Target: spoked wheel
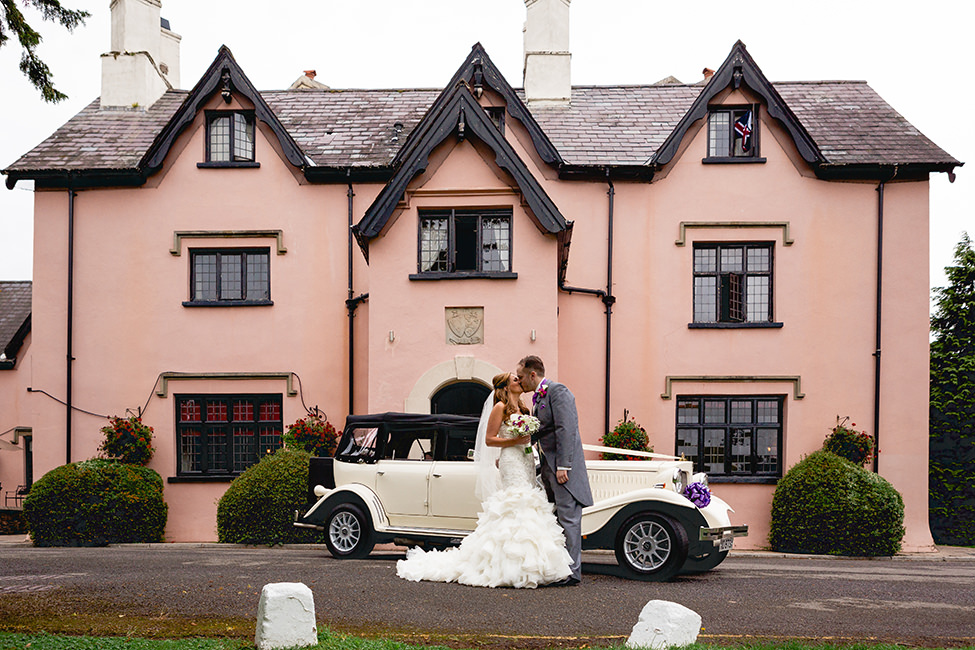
x,y
651,546
348,532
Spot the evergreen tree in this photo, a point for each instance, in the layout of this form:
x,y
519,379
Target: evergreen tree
x,y
12,22
952,417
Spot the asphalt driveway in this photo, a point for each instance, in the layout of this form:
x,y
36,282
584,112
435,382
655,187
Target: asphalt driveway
x,y
923,600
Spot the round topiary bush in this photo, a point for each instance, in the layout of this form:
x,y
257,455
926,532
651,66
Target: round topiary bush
x,y
94,503
259,505
827,505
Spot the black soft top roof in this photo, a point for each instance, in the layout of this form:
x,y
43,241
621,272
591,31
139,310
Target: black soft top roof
x,y
410,419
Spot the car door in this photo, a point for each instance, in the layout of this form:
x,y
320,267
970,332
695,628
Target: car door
x,y
453,503
403,476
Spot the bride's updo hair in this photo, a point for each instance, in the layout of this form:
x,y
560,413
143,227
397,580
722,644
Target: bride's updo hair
x,y
500,383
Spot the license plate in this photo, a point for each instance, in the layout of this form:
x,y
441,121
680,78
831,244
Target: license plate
x,y
726,543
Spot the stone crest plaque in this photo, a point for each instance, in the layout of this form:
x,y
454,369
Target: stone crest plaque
x,y
464,325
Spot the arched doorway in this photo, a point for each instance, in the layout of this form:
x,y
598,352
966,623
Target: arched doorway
x,y
460,398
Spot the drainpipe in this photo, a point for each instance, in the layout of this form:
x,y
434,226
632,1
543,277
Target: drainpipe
x,y
878,330
606,296
609,299
70,326
352,302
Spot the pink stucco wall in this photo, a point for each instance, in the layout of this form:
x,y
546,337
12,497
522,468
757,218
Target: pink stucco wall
x,y
15,413
130,324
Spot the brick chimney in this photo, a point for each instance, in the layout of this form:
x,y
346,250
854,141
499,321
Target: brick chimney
x,y
708,73
144,59
547,59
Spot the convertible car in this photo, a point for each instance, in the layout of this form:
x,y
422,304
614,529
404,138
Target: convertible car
x,y
409,478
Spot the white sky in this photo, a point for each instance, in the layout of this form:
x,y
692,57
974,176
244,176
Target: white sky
x,y
919,58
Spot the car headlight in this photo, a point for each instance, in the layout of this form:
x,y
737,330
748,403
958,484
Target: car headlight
x,y
678,481
701,478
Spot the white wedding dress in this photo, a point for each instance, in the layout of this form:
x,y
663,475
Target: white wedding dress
x,y
517,542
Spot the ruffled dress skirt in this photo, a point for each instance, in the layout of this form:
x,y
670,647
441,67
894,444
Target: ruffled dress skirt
x,y
517,541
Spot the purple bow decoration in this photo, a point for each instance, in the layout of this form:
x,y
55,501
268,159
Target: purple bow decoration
x,y
698,494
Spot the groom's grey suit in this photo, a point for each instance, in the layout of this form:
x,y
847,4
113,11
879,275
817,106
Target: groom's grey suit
x,y
561,446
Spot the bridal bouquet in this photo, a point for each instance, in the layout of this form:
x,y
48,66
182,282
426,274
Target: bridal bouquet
x,y
520,424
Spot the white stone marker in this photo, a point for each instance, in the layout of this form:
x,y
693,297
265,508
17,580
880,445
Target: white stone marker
x,y
663,624
285,617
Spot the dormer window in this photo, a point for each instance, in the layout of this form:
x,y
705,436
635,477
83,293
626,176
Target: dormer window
x,y
230,139
733,135
464,244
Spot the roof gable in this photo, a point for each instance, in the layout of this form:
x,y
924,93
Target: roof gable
x,y
457,115
226,77
739,68
15,319
477,71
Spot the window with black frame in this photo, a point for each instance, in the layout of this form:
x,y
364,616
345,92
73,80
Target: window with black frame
x,y
230,276
226,434
464,242
230,138
733,283
732,436
732,135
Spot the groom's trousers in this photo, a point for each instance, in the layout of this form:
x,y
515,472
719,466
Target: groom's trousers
x,y
569,513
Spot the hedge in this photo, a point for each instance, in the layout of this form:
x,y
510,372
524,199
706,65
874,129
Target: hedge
x,y
94,503
827,505
259,505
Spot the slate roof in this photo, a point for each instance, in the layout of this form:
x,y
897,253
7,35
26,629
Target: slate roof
x,y
604,125
15,309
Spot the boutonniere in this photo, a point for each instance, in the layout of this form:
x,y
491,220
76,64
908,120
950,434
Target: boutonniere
x,y
540,392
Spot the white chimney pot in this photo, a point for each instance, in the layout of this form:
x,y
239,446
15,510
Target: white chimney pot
x,y
144,60
548,79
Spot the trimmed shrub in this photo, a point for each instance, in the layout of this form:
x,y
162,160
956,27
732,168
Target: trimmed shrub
x,y
94,503
627,435
259,505
829,506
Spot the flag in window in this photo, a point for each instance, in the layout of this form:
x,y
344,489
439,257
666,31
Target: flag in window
x,y
743,127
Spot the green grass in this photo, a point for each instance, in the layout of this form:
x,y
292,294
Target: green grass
x,y
332,641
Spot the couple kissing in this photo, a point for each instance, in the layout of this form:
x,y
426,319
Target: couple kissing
x,y
519,541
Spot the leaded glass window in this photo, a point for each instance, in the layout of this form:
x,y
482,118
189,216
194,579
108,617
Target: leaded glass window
x,y
230,136
734,436
464,241
230,276
733,283
226,434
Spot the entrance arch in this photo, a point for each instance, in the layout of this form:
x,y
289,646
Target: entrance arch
x,y
461,398
460,369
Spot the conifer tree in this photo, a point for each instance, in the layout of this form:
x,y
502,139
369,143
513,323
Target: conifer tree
x,y
13,23
952,416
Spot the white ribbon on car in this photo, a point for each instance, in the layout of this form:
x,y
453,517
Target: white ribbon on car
x,y
628,452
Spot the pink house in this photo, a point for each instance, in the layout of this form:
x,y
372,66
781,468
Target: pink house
x,y
735,262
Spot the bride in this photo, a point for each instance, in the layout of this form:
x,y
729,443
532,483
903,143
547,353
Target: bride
x,y
518,541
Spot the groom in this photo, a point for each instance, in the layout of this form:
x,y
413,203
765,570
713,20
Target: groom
x,y
563,463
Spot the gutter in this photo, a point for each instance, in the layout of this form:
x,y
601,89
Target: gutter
x,y
352,302
69,380
606,296
878,329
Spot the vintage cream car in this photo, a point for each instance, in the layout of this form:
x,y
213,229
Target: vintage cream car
x,y
408,478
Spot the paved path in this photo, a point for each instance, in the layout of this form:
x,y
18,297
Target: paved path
x,y
921,600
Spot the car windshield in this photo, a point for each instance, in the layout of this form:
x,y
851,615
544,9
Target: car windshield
x,y
359,443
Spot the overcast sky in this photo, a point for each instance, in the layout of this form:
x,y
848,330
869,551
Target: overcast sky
x,y
918,57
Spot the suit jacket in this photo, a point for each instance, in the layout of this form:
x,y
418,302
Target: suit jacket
x,y
558,436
